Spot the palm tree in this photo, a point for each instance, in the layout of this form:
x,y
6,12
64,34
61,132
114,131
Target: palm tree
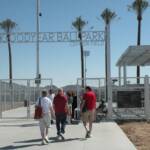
x,y
107,15
8,25
139,6
79,24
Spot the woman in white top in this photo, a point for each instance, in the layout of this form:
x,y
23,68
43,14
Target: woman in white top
x,y
47,110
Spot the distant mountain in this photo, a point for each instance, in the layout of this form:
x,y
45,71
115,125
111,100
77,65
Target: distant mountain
x,y
53,87
75,88
71,88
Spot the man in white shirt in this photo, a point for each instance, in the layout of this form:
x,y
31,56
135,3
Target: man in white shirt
x,y
47,110
51,96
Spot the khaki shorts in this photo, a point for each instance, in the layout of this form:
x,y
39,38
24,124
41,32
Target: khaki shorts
x,y
45,121
88,116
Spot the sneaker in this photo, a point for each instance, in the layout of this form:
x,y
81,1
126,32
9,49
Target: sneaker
x,y
46,139
43,142
88,135
62,131
62,137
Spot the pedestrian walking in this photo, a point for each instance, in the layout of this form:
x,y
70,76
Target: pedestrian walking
x,y
70,101
47,111
88,106
61,109
51,96
74,105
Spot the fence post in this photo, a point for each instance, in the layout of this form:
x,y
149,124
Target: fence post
x,y
28,99
99,89
1,102
146,98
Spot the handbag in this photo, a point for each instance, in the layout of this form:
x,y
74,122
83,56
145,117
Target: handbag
x,y
84,109
38,111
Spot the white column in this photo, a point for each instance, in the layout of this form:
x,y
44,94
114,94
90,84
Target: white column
x,y
119,74
108,63
147,98
124,75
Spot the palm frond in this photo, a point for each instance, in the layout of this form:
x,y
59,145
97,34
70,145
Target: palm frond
x,y
107,15
79,23
139,6
8,25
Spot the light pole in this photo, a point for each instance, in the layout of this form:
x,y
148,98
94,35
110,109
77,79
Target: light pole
x,y
38,76
86,53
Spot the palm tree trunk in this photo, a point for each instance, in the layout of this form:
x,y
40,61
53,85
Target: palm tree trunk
x,y
139,18
82,59
10,71
10,60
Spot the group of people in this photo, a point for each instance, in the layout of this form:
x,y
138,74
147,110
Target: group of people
x,y
59,106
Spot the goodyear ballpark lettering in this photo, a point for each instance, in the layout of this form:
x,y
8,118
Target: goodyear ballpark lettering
x,y
30,37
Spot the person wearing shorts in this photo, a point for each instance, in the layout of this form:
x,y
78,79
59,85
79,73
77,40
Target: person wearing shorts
x,y
45,121
88,106
51,96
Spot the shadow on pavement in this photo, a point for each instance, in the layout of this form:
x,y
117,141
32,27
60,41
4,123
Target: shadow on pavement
x,y
52,140
22,125
55,139
29,141
12,147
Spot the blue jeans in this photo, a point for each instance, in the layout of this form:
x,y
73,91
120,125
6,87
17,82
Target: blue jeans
x,y
60,123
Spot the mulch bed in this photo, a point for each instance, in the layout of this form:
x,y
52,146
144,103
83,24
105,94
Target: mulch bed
x,y
138,133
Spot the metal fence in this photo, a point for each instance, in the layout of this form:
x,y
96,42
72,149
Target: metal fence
x,y
18,94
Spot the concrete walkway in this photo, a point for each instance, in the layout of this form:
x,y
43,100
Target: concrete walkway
x,y
20,112
22,134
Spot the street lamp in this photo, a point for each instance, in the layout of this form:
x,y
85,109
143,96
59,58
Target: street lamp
x,y
86,53
38,75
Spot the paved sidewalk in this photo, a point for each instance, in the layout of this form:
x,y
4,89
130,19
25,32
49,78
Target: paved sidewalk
x,y
20,112
25,135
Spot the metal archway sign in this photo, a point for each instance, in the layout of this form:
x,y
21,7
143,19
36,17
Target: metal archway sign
x,y
31,37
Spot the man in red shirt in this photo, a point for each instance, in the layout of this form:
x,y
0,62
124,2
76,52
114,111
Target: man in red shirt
x,y
88,106
60,107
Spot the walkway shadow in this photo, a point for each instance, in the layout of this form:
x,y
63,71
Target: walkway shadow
x,y
22,125
29,141
12,147
52,140
56,140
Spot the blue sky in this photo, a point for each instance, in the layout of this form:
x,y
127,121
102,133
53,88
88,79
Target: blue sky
x,y
61,61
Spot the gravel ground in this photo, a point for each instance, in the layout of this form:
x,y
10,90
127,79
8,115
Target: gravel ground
x,y
138,133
